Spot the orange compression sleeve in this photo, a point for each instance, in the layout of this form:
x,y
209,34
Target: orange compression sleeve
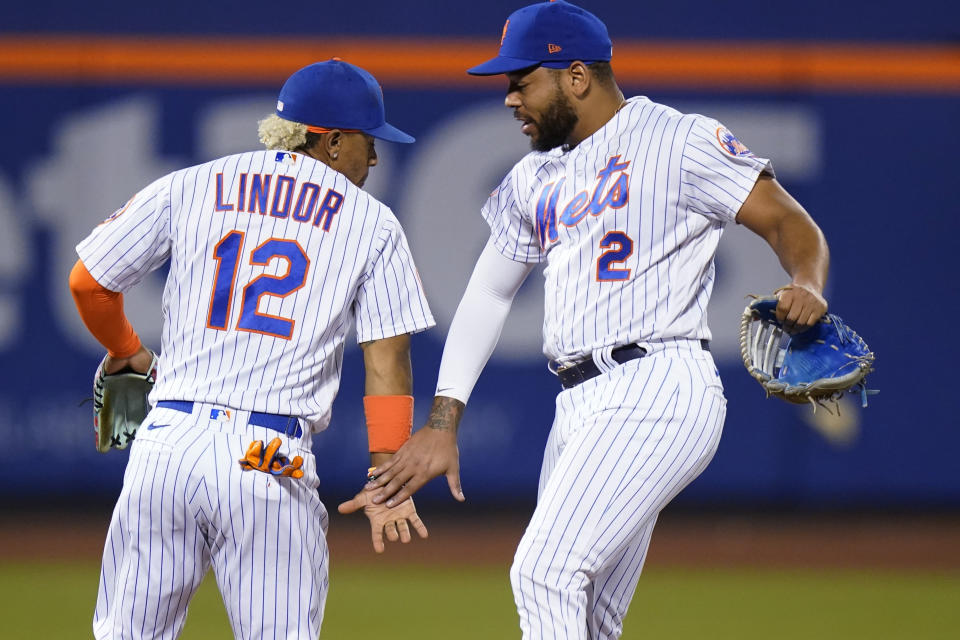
x,y
102,311
389,422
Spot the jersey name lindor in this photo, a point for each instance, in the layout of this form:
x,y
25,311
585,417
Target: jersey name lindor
x,y
276,197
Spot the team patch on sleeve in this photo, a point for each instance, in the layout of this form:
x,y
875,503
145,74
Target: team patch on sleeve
x,y
730,144
119,212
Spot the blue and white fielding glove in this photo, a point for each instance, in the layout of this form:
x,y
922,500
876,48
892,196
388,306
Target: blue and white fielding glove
x,y
816,366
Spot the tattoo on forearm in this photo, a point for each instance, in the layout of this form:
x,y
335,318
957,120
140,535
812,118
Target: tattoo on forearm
x,y
445,414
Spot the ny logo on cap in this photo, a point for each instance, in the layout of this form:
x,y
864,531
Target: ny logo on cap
x,y
504,35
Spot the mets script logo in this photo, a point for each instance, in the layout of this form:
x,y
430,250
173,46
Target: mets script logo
x,y
730,144
612,190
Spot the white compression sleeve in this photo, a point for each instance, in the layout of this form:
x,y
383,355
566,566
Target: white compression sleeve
x,y
478,321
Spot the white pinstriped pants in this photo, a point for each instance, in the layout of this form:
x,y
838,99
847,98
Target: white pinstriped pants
x,y
621,447
185,506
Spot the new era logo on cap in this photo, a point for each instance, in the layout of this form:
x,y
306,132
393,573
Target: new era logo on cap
x,y
554,48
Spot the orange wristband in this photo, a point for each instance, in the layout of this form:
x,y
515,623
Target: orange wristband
x,y
389,422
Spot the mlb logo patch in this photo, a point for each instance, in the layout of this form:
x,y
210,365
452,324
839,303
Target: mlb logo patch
x,y
288,158
220,415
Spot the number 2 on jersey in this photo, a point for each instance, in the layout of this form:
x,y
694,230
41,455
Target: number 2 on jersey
x,y
227,254
619,247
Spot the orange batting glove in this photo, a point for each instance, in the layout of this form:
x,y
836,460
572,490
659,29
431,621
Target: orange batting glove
x,y
269,461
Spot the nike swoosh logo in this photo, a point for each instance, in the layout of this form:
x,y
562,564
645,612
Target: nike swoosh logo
x,y
156,426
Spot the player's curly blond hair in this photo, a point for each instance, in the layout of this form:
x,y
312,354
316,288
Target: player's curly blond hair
x,y
280,134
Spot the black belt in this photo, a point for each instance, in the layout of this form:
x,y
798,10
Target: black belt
x,y
287,425
574,374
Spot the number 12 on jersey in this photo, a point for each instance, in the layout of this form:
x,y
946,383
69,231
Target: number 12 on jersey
x,y
227,255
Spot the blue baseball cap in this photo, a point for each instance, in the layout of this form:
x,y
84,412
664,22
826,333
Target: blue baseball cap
x,y
337,95
550,34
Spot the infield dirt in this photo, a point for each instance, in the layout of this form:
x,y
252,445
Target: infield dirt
x,y
885,540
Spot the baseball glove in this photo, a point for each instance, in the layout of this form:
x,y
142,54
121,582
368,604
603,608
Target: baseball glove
x,y
120,404
816,366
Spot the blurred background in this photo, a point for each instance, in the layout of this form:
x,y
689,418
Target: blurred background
x,y
855,516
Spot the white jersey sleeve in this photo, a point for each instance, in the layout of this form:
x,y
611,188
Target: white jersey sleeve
x,y
133,241
479,319
717,171
390,300
513,233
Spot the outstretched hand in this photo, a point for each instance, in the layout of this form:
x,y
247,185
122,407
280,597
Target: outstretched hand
x,y
392,520
799,308
430,452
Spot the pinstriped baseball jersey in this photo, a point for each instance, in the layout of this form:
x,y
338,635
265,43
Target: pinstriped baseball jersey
x,y
284,256
628,222
273,258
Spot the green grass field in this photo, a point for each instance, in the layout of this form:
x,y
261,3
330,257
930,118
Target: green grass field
x,y
55,600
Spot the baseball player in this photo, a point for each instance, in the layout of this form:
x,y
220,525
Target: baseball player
x,y
273,256
625,201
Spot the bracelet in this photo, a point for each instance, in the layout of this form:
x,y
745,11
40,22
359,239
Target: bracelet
x,y
371,474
